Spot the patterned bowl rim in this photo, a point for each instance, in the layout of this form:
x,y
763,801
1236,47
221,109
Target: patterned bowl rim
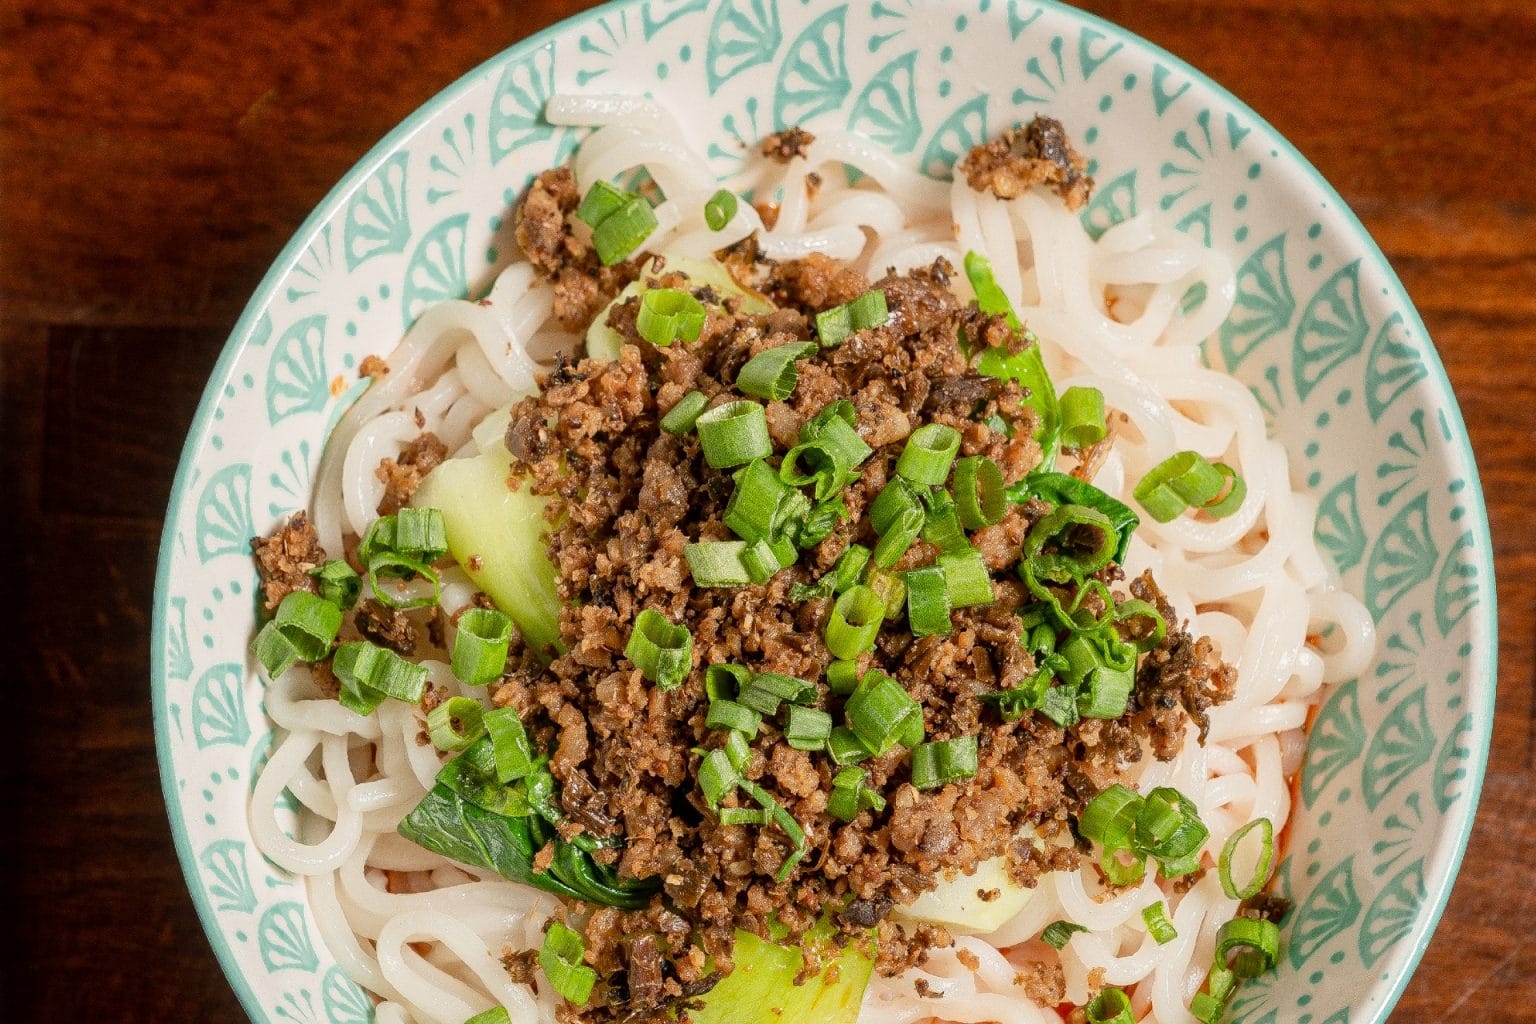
x,y
1433,905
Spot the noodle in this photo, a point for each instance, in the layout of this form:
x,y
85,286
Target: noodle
x,y
1254,582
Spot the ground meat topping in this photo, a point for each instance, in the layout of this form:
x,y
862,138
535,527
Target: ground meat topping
x,y
401,476
284,559
1024,156
560,254
788,144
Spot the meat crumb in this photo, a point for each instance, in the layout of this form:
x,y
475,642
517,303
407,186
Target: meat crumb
x,y
373,366
1024,156
970,961
788,144
284,559
401,476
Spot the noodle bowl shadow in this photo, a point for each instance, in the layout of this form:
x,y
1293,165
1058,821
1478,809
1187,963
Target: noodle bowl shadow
x,y
1321,332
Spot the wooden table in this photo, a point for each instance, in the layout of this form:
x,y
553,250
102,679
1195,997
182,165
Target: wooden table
x,y
154,163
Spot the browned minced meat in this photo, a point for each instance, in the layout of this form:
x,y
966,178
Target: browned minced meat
x,y
1045,984
403,475
1038,153
1183,675
547,235
788,144
386,626
373,366
284,559
626,498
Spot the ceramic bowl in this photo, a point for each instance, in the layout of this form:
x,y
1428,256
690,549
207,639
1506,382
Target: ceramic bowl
x,y
1322,332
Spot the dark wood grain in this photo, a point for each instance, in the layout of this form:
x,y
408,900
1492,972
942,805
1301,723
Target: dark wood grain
x,y
155,157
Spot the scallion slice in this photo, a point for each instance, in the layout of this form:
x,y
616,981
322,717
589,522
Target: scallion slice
x,y
895,500
495,1015
1058,933
772,373
728,714
1110,1006
898,537
929,454
880,712
754,510
480,646
717,563
734,434
724,682
456,723
807,728
842,677
845,747
927,601
1082,417
622,231
511,749
1253,945
737,750
660,649
1158,926
720,209
309,622
368,674
743,816
682,416
602,199
980,498
833,326
717,776
400,566
1261,861
274,651
421,533
338,583
855,622
1110,817
1186,479
941,762
850,567
667,314
942,527
1069,543
560,957
966,578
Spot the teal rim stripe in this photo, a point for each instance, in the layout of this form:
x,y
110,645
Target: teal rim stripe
x,y
1482,674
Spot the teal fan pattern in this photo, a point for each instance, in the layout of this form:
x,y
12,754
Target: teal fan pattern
x,y
1320,331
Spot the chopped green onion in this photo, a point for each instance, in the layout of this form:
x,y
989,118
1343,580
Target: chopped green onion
x,y
843,803
390,563
1253,943
849,568
1147,638
763,558
895,500
820,522
1082,417
1178,867
602,199
717,563
1122,872
880,712
495,1015
842,677
737,750
456,723
1064,489
1058,933
842,409
966,578
855,622
845,747
799,592
1185,840
511,749
942,525
682,416
772,373
768,690
785,821
338,583
743,816
980,498
560,957
728,714
660,649
667,314
834,325
754,512
1158,926
480,646
929,453
1187,479
1069,543
302,630
717,776
1110,817
1110,1006
420,532
898,537
720,209
928,601
850,796
369,673
890,588
734,434
1262,863
724,682
807,728
941,762
622,231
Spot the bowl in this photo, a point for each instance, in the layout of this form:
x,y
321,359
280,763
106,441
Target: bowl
x,y
1322,332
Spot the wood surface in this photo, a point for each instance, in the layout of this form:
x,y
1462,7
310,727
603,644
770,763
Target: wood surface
x,y
154,158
